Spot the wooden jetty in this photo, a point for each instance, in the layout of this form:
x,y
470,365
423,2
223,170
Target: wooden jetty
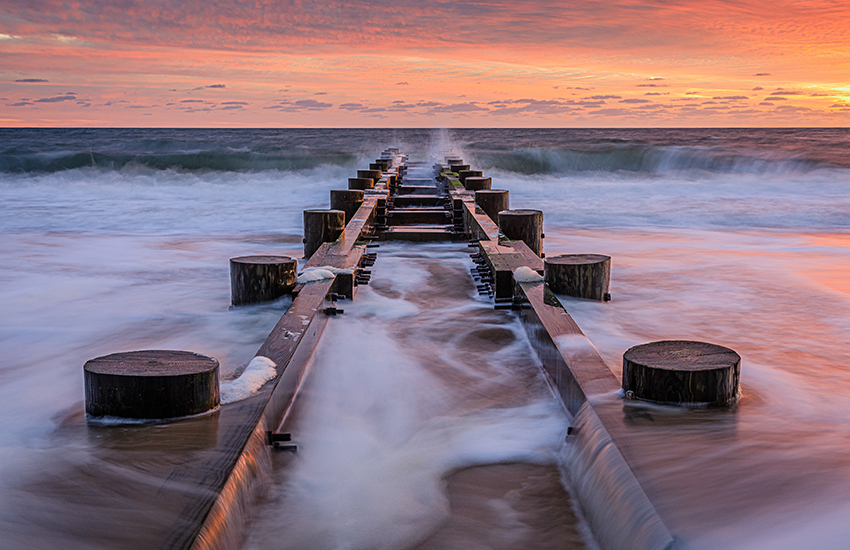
x,y
410,201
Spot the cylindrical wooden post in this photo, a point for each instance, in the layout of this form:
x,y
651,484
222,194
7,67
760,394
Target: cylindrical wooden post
x,y
152,384
680,371
523,225
321,226
261,278
476,183
454,160
463,174
458,167
361,183
579,275
384,164
492,201
374,174
347,200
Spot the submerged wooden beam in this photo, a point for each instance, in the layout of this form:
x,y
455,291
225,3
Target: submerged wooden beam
x,y
608,490
215,520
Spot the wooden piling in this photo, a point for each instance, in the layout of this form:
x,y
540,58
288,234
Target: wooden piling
x,y
152,384
682,372
361,183
525,226
579,275
373,174
492,201
347,200
458,167
477,183
463,174
261,278
321,226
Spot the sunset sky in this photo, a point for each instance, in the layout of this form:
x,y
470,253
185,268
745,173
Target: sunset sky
x,y
405,63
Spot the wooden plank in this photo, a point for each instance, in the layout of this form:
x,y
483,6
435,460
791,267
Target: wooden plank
x,y
504,259
530,259
290,345
602,457
216,473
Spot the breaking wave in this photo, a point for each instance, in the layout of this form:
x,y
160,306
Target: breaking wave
x,y
634,157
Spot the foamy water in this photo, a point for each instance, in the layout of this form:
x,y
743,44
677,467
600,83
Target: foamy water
x,y
404,391
738,237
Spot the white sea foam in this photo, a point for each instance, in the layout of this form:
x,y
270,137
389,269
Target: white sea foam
x,y
259,371
371,462
322,273
525,274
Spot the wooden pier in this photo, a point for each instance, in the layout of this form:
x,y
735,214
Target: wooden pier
x,y
409,201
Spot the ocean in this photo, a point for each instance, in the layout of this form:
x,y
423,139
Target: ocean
x,y
119,239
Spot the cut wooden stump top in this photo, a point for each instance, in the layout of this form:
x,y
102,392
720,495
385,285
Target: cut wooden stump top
x,y
577,259
261,259
520,212
152,363
682,355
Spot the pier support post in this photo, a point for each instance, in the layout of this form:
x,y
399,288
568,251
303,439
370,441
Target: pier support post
x,y
321,226
682,372
463,174
454,160
525,226
383,164
492,201
458,167
477,183
361,183
347,200
261,278
579,275
153,384
372,174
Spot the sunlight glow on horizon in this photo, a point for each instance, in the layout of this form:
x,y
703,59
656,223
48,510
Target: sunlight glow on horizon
x,y
592,64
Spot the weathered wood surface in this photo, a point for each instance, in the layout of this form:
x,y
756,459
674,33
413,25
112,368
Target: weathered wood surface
x,y
361,183
321,226
463,174
421,233
477,183
347,200
523,225
579,275
476,223
492,201
372,174
600,467
151,384
419,216
682,372
261,278
290,345
504,259
216,511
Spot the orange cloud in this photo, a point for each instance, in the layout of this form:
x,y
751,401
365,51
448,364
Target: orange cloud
x,y
419,63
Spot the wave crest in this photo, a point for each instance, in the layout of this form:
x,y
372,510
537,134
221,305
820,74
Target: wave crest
x,y
633,157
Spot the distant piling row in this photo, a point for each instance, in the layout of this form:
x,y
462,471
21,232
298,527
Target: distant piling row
x,y
686,376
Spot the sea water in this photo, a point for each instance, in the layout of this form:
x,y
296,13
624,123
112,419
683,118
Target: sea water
x,y
119,239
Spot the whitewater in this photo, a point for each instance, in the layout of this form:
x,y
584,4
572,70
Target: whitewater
x,y
119,239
